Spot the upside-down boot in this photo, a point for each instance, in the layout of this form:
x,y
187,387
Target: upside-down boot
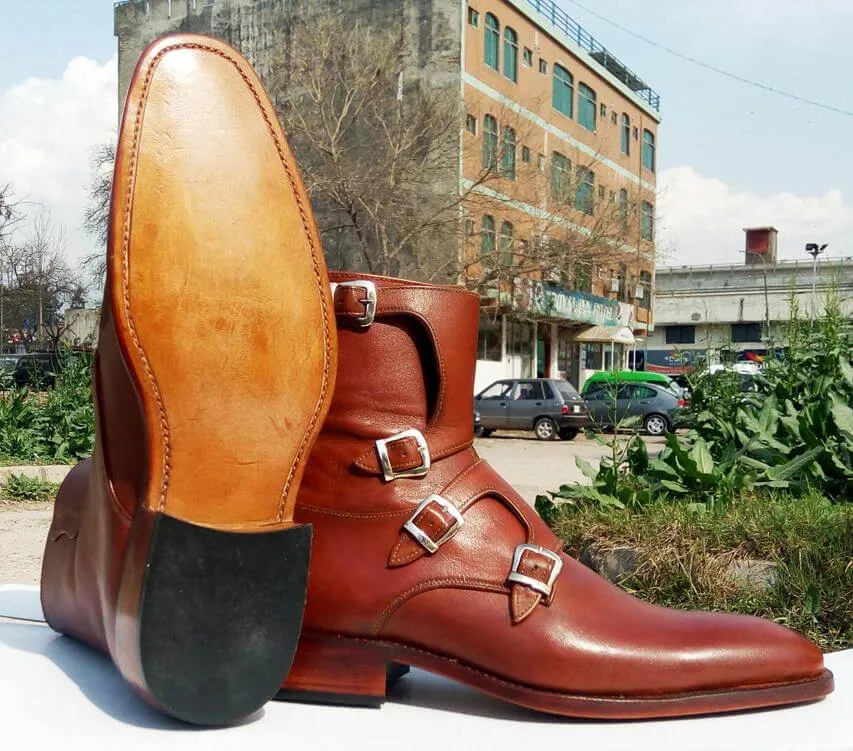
x,y
424,556
174,549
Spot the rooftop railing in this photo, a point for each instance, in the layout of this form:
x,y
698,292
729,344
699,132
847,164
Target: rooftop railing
x,y
576,33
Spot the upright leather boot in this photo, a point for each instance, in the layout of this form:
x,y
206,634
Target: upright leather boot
x,y
424,556
174,549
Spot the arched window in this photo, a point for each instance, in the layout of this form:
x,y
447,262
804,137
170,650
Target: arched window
x,y
586,106
508,153
506,244
585,190
647,221
649,150
563,91
626,134
487,237
490,142
491,53
559,177
510,54
623,207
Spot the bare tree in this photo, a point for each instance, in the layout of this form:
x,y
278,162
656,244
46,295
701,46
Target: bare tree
x,y
96,218
377,145
37,280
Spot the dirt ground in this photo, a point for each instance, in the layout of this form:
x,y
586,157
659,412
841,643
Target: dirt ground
x,y
531,466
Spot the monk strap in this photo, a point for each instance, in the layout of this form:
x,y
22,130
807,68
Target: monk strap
x,y
362,296
537,568
403,455
435,521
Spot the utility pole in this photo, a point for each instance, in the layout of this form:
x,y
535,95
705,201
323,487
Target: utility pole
x,y
814,250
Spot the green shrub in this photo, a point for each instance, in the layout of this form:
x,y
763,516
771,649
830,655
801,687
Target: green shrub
x,y
23,488
55,425
684,548
796,431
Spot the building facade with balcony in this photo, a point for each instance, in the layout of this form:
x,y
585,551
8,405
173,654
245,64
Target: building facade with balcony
x,y
556,159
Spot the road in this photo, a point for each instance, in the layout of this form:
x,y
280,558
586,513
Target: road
x,y
531,466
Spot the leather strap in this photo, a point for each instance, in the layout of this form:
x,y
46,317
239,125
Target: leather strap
x,y
451,427
469,487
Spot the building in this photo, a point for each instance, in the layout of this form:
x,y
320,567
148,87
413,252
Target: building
x,y
735,312
565,134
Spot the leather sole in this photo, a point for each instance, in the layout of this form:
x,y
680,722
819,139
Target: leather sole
x,y
222,309
359,670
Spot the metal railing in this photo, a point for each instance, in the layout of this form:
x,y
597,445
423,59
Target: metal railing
x,y
576,33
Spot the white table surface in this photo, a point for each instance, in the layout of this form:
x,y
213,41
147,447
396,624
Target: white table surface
x,y
60,694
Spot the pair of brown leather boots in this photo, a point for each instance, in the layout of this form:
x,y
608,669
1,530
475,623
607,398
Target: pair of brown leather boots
x,y
181,548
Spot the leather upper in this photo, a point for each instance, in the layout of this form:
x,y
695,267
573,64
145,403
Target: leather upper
x,y
413,369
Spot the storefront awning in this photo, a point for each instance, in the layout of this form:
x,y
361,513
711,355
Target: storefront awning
x,y
608,334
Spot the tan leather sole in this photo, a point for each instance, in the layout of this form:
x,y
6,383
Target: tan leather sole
x,y
357,672
219,289
222,307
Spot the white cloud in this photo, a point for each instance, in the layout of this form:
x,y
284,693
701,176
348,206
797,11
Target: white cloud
x,y
701,219
47,130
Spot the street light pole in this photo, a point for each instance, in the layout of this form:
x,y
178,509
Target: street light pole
x,y
766,296
814,250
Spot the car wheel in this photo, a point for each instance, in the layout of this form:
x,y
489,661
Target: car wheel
x,y
545,429
483,432
656,424
568,434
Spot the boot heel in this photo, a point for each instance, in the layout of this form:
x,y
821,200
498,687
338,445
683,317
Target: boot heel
x,y
333,671
217,617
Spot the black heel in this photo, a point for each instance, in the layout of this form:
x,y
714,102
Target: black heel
x,y
219,617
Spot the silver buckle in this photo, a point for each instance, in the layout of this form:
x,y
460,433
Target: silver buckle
x,y
546,588
384,460
369,300
425,541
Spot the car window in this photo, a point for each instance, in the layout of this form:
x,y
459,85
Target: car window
x,y
642,392
528,390
597,394
567,391
625,391
499,390
549,392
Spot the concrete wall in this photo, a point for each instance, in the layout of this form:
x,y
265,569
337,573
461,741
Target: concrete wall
x,y
83,326
700,295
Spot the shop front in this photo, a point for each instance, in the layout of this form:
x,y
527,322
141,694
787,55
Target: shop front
x,y
540,332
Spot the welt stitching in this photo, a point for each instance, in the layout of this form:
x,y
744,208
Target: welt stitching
x,y
314,261
131,184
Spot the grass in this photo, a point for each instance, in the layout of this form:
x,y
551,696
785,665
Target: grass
x,y
684,549
20,489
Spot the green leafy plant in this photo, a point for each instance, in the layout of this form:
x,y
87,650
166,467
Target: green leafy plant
x,y
55,425
23,488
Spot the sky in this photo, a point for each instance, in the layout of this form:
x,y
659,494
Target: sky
x,y
729,155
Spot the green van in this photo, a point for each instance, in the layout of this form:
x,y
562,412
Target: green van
x,y
611,377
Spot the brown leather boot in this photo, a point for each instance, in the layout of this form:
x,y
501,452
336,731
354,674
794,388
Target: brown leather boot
x,y
424,556
174,549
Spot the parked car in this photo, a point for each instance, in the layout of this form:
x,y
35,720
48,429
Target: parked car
x,y
657,407
611,377
549,407
33,369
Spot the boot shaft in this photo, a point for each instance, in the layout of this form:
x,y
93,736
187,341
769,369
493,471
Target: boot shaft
x,y
406,368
